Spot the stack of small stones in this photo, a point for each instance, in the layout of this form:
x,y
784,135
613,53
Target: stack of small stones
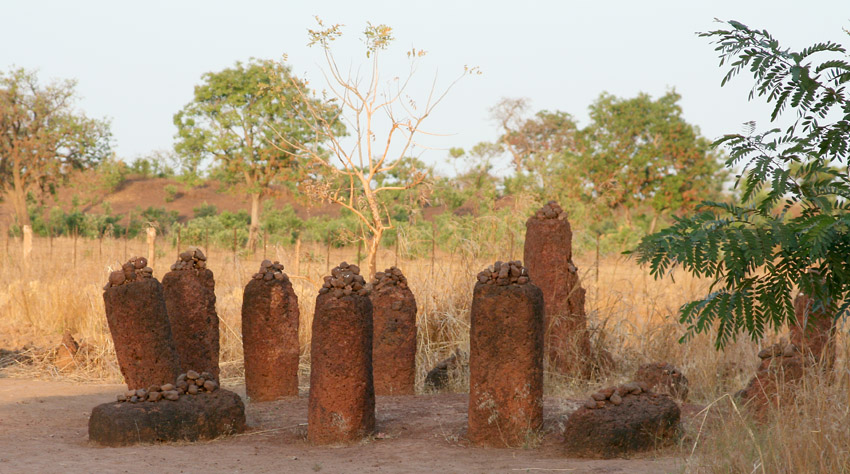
x,y
615,395
271,271
390,277
345,280
135,268
191,258
551,210
780,349
504,273
190,383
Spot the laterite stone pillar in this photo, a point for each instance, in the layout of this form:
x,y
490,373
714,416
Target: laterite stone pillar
x,y
548,257
190,300
138,322
342,395
394,340
270,319
505,357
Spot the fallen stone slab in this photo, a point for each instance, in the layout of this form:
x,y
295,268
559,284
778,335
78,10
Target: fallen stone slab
x,y
619,421
189,418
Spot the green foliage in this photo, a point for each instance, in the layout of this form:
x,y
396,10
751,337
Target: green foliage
x,y
791,226
153,166
170,192
112,173
205,210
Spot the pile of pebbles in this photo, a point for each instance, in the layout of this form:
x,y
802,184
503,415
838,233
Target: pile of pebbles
x,y
271,271
551,210
345,280
191,383
390,277
780,349
189,259
504,273
615,395
135,269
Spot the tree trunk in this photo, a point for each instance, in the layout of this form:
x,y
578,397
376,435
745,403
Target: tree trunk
x,y
653,223
254,229
19,196
373,251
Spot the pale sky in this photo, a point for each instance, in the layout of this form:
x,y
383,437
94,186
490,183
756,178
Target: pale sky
x,y
137,63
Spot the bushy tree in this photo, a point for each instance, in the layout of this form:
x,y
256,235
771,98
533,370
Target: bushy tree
x,y
790,228
235,120
43,138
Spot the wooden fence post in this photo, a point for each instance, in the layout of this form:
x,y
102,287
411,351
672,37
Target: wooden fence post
x,y
151,245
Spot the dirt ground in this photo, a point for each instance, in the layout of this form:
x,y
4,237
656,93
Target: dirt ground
x,y
44,425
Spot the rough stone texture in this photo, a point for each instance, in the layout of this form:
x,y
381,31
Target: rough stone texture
x,y
270,319
776,379
141,332
190,301
548,258
638,422
342,395
505,364
814,332
662,377
394,340
190,418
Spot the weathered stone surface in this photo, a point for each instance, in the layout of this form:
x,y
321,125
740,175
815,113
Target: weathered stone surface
x,y
626,424
548,257
141,332
394,339
505,364
814,332
342,395
662,377
270,318
188,418
190,301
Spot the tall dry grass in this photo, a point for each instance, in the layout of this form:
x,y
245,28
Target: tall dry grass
x,y
631,315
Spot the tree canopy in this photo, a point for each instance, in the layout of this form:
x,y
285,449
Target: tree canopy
x,y
42,137
790,228
242,117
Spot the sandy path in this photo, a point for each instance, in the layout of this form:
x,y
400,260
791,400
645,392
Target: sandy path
x,y
43,428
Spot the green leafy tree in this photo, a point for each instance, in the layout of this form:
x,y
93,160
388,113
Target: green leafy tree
x,y
43,138
791,226
235,120
640,151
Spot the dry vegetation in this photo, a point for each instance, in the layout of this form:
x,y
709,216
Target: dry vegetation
x,y
633,316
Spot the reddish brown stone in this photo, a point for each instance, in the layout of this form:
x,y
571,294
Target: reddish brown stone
x,y
661,377
188,418
142,335
342,395
394,341
190,300
814,331
270,318
505,364
548,258
638,423
773,385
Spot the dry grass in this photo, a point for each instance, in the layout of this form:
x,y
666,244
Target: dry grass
x,y
632,315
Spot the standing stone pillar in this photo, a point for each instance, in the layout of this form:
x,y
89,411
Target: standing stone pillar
x,y
270,319
138,322
548,257
190,300
814,332
394,337
342,395
505,357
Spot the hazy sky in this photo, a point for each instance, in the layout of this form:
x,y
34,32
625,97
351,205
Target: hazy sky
x,y
137,63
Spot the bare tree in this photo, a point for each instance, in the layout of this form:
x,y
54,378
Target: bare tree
x,y
385,122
